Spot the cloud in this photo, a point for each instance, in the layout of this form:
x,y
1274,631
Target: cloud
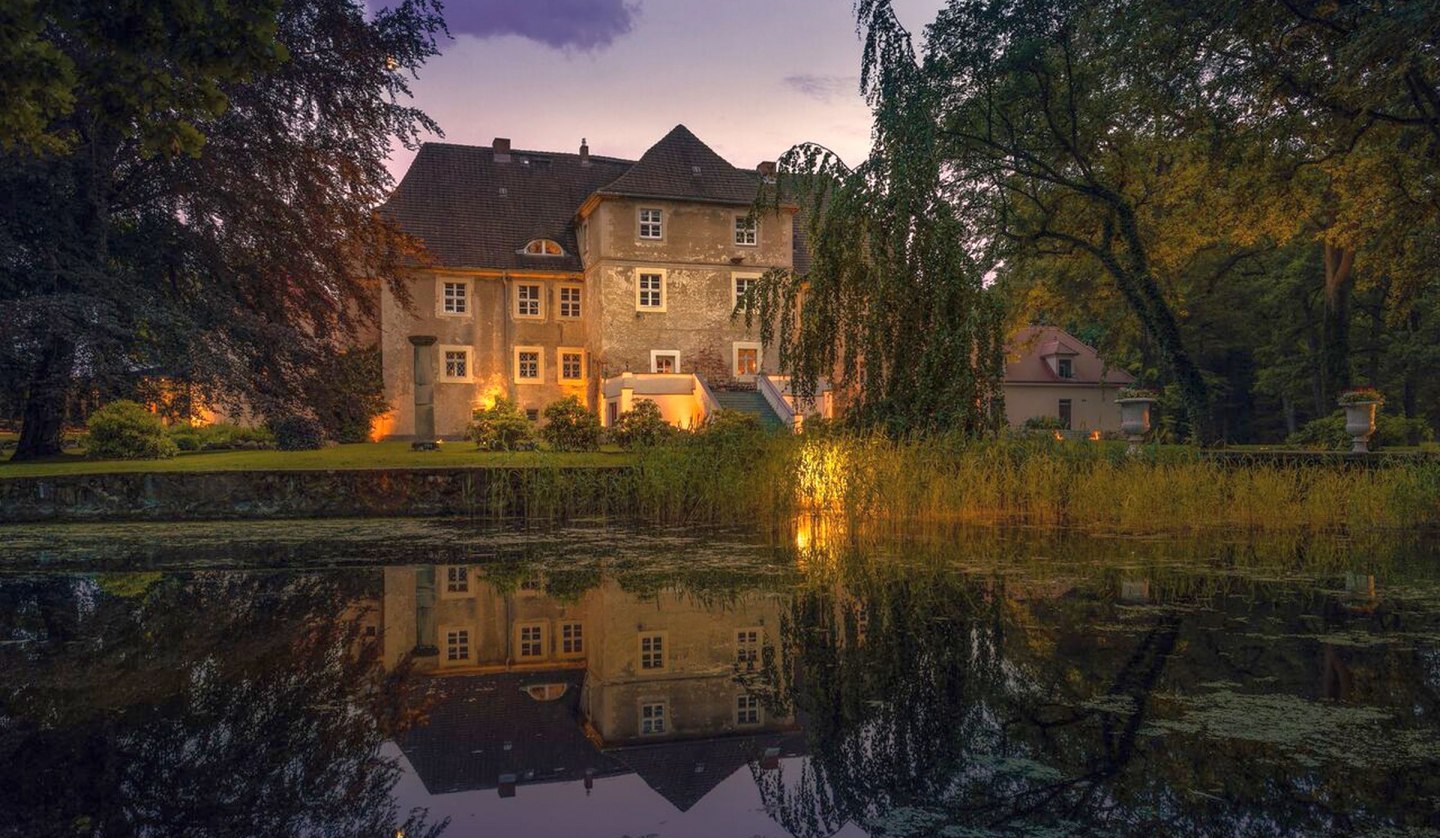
x,y
562,24
823,88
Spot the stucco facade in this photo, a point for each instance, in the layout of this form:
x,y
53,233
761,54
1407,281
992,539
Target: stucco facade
x,y
1051,373
557,271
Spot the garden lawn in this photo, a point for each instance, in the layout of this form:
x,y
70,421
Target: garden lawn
x,y
357,456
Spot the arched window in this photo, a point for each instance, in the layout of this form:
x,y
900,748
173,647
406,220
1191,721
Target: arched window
x,y
544,247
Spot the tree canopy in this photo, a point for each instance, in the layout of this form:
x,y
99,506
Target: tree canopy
x,y
191,192
1110,162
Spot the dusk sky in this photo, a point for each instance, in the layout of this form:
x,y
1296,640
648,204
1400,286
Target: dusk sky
x,y
749,77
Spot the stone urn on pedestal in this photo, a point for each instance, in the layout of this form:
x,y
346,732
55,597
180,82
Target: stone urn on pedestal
x,y
1360,405
1135,415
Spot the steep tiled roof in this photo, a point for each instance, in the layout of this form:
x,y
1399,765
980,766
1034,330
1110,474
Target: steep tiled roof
x,y
1025,359
476,212
486,725
681,167
686,770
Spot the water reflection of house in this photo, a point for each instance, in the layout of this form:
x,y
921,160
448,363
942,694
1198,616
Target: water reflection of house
x,y
608,681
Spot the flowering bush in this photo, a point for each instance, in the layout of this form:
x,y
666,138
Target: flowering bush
x,y
1362,395
570,426
501,427
1137,393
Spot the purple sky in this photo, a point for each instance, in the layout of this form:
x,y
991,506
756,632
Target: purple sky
x,y
749,77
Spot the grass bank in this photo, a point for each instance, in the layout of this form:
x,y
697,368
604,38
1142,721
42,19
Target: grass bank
x,y
867,484
357,456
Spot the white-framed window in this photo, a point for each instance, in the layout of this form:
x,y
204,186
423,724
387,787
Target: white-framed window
x,y
746,358
457,579
743,284
572,639
652,224
570,301
572,363
652,651
454,297
653,718
544,247
457,645
528,298
455,364
529,365
650,289
664,360
747,647
747,710
529,641
747,230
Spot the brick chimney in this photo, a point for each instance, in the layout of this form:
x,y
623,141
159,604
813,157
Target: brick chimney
x,y
584,152
766,169
501,148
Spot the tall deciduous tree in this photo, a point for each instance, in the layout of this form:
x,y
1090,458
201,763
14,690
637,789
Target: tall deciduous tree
x,y
198,202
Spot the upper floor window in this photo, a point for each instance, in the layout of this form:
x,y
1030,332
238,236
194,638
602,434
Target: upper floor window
x,y
544,247
651,226
747,230
747,710
652,719
650,291
570,301
527,301
457,580
743,284
457,644
572,639
532,640
455,298
1067,368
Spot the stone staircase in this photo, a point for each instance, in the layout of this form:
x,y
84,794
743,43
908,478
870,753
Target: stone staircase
x,y
749,401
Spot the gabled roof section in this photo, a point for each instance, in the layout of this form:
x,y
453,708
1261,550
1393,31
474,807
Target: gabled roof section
x,y
473,211
681,167
1026,353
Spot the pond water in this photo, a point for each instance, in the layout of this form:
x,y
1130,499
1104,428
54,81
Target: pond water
x,y
374,678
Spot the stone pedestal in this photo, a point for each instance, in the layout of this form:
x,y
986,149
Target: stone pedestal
x,y
1134,421
424,394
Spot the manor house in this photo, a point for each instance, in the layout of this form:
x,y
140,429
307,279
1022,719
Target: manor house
x,y
558,274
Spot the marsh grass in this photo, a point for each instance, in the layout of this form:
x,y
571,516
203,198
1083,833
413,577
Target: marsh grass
x,y
879,484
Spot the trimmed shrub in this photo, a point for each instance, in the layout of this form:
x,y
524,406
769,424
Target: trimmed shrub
x,y
1328,433
570,426
221,436
124,430
298,433
642,426
1043,423
501,427
348,393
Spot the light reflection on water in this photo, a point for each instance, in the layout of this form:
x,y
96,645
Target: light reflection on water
x,y
595,682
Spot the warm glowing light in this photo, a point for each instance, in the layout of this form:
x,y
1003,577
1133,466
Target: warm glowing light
x,y
1059,435
382,426
1094,436
822,475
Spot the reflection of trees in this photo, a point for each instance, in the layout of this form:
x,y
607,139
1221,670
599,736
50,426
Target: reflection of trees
x,y
200,704
989,702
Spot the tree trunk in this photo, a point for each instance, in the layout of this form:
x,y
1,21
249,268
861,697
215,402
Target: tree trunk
x,y
1335,328
44,416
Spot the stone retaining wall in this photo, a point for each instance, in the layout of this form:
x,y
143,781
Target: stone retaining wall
x,y
219,495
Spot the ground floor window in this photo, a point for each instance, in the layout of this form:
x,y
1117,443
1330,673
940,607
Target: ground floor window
x,y
457,645
747,359
455,364
572,365
664,360
529,369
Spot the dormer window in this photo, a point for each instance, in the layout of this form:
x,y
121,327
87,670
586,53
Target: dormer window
x,y
544,247
1066,368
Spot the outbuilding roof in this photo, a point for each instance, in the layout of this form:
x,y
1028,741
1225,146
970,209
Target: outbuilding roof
x,y
1026,353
